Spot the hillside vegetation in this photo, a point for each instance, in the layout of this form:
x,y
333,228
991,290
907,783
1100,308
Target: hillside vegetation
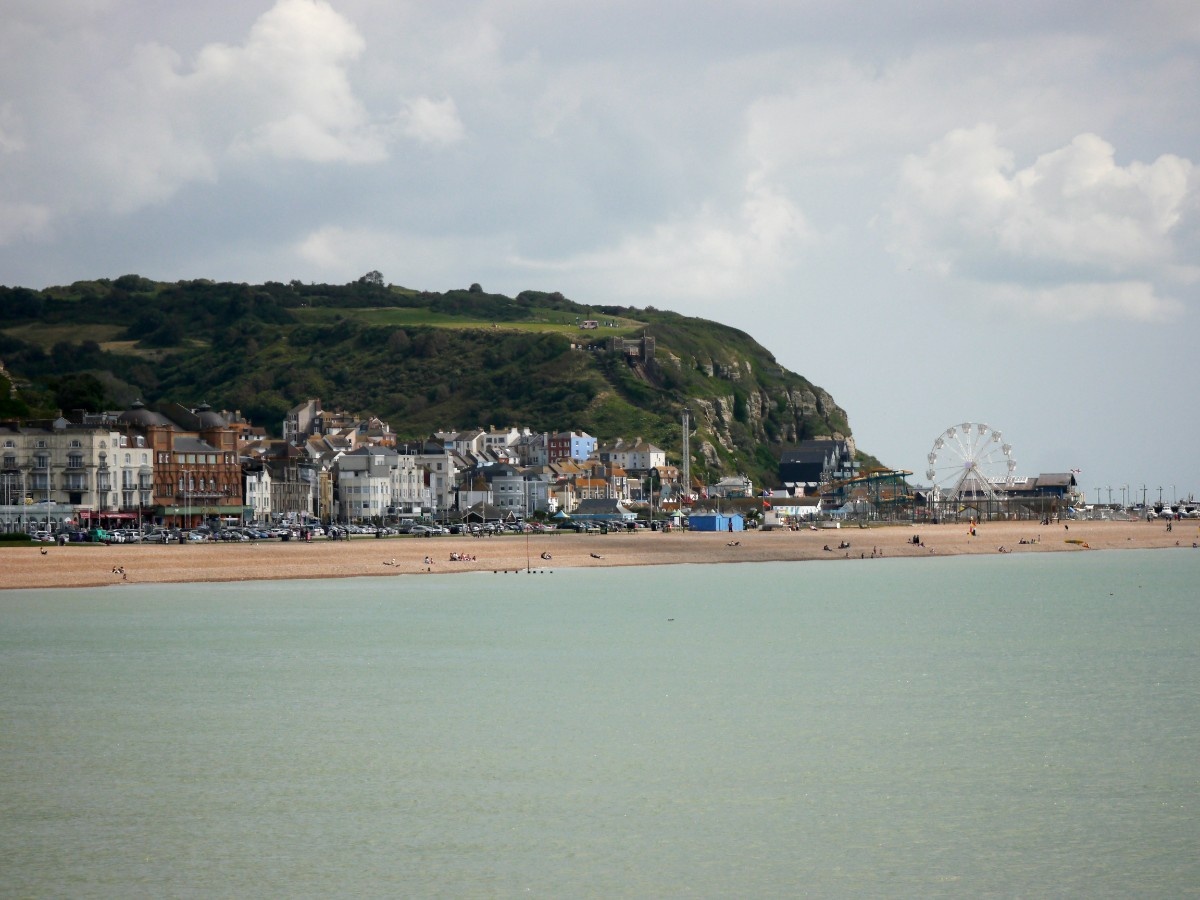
x,y
420,360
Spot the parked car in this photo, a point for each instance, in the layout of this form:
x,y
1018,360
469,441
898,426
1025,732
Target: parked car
x,y
427,530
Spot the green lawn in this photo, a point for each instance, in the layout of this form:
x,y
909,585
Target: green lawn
x,y
547,320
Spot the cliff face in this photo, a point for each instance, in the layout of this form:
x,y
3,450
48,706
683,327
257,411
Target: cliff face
x,y
802,410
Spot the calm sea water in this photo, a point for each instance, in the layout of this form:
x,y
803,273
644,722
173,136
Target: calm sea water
x,y
990,726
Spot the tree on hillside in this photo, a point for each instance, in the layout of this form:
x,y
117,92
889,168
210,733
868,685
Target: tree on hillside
x,y
80,391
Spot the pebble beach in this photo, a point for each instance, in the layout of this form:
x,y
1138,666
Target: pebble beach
x,y
95,565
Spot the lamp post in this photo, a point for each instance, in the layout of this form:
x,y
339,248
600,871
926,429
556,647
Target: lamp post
x,y
187,489
24,523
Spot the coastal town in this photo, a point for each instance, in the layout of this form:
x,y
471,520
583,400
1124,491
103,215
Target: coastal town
x,y
174,473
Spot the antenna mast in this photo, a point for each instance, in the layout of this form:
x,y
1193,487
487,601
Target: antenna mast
x,y
687,454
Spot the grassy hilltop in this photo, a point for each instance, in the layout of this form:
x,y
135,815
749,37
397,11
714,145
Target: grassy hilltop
x,y
420,360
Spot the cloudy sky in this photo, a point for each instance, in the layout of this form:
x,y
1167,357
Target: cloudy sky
x,y
941,212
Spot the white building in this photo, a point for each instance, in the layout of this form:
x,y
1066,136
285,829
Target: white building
x,y
367,482
58,474
638,456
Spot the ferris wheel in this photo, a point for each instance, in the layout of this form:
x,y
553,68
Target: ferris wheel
x,y
968,461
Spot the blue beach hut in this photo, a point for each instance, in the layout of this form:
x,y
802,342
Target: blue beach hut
x,y
716,522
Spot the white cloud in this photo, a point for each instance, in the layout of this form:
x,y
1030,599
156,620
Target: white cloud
x,y
23,220
338,253
85,136
290,86
702,258
1131,300
432,121
1080,232
11,139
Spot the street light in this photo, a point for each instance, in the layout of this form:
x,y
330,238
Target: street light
x,y
187,489
24,522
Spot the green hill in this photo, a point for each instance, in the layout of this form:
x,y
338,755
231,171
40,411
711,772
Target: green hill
x,y
420,360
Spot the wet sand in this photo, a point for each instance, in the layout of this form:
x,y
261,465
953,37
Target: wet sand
x,y
87,565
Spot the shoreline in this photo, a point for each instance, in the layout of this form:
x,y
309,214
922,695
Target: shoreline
x,y
92,565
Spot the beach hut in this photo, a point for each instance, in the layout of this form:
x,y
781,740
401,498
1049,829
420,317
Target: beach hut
x,y
716,522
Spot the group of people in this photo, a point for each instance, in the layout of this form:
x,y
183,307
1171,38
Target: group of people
x,y
459,557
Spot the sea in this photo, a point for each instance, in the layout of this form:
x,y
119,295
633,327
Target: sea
x,y
1001,726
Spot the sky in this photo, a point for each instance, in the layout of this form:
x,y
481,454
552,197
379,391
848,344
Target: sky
x,y
940,212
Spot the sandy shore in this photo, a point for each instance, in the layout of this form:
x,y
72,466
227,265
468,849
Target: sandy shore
x,y
84,565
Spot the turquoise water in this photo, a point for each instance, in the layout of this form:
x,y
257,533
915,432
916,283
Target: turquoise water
x,y
987,726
